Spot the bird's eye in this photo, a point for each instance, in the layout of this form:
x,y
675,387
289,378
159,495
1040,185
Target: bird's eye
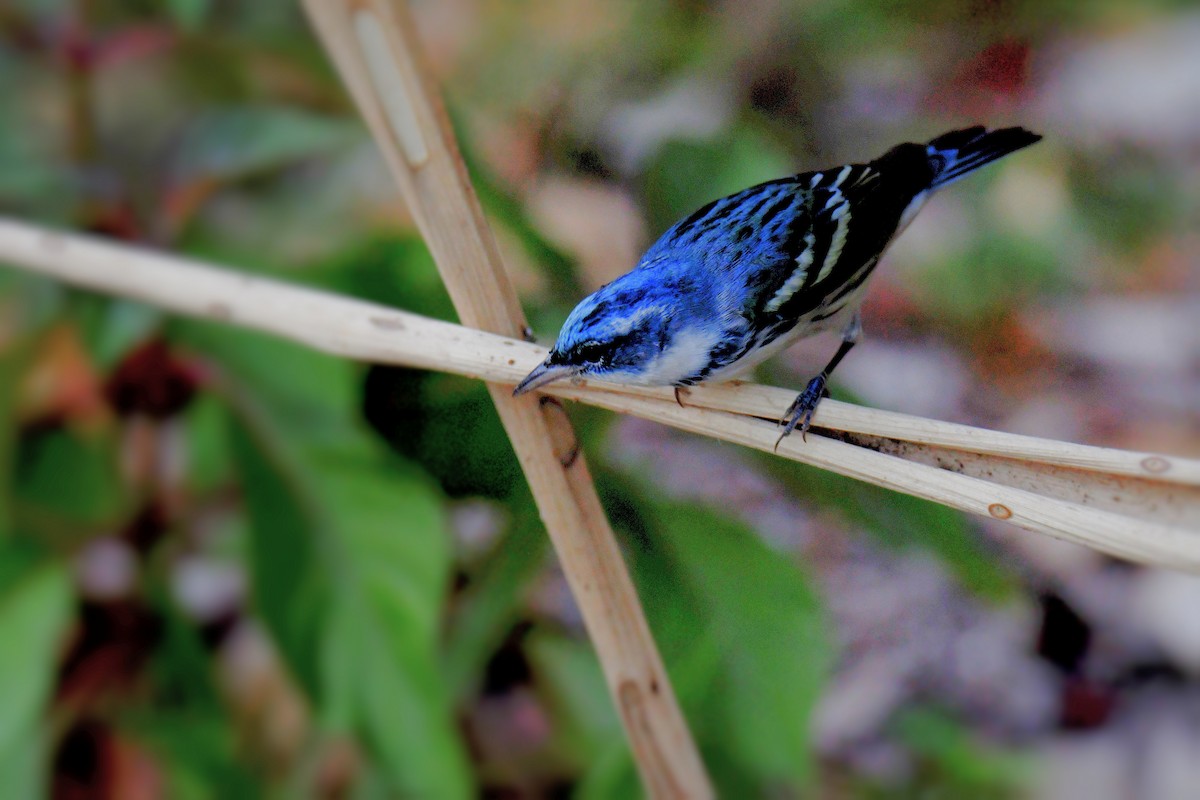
x,y
591,352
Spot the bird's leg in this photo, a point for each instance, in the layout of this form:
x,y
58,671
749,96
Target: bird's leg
x,y
800,412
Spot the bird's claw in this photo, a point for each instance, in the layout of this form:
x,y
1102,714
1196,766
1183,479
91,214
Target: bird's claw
x,y
800,412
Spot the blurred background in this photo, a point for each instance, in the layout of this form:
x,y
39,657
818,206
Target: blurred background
x,y
233,567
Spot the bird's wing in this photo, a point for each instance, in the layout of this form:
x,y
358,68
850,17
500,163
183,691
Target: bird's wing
x,y
837,229
766,256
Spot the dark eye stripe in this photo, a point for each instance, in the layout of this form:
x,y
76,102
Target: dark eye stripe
x,y
602,353
592,351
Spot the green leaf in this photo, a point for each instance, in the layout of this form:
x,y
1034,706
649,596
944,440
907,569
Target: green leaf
x,y
210,463
686,174
291,577
303,390
72,480
110,328
197,752
12,363
571,682
902,521
391,269
967,767
233,143
350,562
189,14
34,177
611,774
186,724
997,273
770,637
489,606
450,426
743,637
35,609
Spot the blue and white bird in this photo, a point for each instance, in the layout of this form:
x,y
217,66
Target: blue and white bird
x,y
748,274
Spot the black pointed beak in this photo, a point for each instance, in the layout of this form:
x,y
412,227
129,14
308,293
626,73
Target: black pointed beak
x,y
544,373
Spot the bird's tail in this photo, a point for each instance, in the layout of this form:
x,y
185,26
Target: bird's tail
x,y
954,154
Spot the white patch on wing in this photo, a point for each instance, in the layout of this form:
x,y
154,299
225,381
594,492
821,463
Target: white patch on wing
x,y
796,280
868,175
841,215
842,176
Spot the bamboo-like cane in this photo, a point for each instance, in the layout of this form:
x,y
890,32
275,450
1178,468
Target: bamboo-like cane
x,y
375,49
1074,492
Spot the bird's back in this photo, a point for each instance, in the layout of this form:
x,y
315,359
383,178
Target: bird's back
x,y
768,258
790,257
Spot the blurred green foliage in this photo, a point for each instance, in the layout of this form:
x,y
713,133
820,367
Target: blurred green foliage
x,y
960,765
686,174
35,612
336,492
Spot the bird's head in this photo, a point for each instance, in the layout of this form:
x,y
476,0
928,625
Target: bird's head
x,y
613,334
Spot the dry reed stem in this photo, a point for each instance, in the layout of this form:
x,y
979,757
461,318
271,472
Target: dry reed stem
x,y
1152,517
375,49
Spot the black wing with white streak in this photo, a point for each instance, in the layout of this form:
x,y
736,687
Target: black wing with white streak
x,y
848,217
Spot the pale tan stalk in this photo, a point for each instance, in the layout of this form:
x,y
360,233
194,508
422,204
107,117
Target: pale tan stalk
x,y
1107,499
375,49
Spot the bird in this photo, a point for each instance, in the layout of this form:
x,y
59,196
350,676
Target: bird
x,y
746,275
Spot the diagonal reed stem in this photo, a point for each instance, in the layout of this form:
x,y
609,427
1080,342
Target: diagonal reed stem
x,y
374,47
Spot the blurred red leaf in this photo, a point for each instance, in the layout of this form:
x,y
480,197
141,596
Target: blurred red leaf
x,y
1086,704
994,79
113,643
94,763
1006,351
113,218
151,381
132,43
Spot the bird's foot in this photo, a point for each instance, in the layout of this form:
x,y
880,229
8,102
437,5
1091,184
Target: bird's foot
x,y
680,393
799,413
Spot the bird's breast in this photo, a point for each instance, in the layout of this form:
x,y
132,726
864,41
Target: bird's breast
x,y
685,356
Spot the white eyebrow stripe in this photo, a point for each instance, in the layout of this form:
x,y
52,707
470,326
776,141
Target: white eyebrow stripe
x,y
620,326
796,280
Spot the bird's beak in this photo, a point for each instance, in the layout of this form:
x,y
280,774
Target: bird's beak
x,y
544,374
